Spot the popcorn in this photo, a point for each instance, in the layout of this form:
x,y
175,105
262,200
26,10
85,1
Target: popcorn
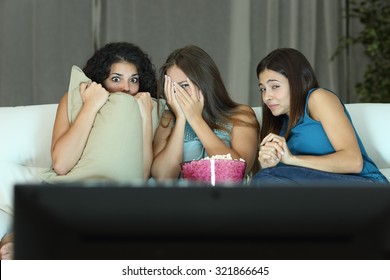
x,y
214,170
227,156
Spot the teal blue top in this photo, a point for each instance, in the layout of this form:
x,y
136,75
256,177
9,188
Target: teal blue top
x,y
193,148
309,138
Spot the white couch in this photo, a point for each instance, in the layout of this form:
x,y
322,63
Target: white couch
x,y
26,137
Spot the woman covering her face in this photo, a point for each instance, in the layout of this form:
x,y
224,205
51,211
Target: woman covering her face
x,y
202,119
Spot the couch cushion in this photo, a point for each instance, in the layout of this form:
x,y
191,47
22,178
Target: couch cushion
x,y
371,123
6,222
11,174
26,134
386,172
24,147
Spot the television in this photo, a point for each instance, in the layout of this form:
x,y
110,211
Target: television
x,y
110,221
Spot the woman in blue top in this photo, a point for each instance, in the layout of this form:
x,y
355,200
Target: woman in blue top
x,y
306,134
202,119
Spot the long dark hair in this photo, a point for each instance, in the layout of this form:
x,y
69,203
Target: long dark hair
x,y
301,77
203,72
99,65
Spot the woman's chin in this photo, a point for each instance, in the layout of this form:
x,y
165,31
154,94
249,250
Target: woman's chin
x,y
276,113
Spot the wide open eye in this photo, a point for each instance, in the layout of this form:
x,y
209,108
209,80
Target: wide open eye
x,y
116,79
134,80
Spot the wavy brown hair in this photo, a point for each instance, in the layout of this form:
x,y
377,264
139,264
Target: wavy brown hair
x,y
219,108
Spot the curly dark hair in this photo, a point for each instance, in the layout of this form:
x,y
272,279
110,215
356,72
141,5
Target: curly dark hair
x,y
99,65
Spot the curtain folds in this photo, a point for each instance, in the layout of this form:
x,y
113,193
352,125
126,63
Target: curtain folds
x,y
311,26
42,39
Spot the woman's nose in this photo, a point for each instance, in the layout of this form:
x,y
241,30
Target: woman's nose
x,y
267,95
125,87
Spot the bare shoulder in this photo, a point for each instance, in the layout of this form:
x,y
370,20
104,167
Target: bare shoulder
x,y
324,102
322,95
245,108
246,114
64,99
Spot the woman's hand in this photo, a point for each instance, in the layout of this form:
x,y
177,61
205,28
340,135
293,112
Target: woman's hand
x,y
171,98
190,99
145,104
94,95
273,149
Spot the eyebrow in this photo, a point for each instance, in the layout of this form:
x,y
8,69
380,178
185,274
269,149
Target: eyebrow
x,y
270,80
118,74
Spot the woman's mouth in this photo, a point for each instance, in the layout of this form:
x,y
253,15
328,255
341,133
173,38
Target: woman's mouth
x,y
272,106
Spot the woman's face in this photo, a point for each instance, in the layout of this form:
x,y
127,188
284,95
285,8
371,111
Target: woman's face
x,y
275,92
123,77
177,75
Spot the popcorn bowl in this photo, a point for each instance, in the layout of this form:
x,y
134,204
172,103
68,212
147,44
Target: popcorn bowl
x,y
214,170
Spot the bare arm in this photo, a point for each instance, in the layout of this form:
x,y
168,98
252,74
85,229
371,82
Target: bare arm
x,y
168,148
326,108
68,141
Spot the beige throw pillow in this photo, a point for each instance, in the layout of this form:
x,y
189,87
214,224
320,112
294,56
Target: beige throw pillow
x,y
114,148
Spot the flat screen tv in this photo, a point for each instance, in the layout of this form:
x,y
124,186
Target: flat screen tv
x,y
109,221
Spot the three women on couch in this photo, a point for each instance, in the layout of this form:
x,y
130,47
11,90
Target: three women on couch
x,y
306,134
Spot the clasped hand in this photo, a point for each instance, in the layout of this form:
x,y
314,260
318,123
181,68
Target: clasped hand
x,y
273,149
145,104
185,102
94,95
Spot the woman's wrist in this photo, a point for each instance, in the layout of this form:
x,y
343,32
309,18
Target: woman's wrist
x,y
180,119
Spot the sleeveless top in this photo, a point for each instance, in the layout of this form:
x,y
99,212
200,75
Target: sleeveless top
x,y
193,148
309,138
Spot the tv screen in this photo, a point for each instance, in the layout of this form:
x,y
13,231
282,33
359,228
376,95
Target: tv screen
x,y
201,222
